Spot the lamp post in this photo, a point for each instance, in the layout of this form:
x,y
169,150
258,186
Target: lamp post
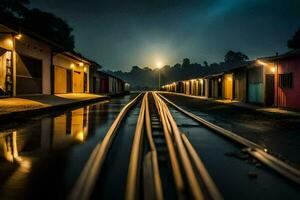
x,y
158,65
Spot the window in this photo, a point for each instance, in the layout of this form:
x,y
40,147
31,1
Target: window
x,y
286,80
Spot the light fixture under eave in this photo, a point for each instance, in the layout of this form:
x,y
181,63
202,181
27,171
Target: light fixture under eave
x,y
273,69
19,36
84,69
81,64
72,66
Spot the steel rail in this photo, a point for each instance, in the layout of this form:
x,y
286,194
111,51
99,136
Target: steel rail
x,y
253,149
156,175
206,178
131,191
84,185
177,175
184,157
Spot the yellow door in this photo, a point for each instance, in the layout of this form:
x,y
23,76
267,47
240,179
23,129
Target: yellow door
x,y
228,87
77,82
60,80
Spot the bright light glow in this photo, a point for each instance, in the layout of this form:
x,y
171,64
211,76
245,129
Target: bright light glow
x,y
9,42
201,81
72,66
19,36
158,64
261,63
229,78
81,64
80,136
84,69
219,80
273,69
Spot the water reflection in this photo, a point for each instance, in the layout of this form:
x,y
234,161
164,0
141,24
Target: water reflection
x,y
46,134
9,145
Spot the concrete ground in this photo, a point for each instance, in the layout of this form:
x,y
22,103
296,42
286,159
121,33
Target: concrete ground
x,y
25,103
275,130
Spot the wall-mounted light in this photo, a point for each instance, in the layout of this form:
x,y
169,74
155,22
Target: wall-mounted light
x,y
72,66
219,80
273,69
19,36
81,64
201,81
84,69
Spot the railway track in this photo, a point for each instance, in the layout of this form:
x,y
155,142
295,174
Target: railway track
x,y
156,150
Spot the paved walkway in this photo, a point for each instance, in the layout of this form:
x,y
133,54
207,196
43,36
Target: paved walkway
x,y
25,103
244,105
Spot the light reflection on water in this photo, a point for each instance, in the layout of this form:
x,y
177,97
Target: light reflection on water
x,y
55,132
67,138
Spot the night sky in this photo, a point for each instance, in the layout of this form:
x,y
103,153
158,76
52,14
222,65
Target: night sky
x,y
124,33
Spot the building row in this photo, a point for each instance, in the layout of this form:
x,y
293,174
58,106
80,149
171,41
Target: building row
x,y
32,64
266,81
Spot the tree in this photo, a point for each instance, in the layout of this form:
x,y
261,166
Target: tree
x,y
235,57
186,62
13,8
50,26
205,63
294,42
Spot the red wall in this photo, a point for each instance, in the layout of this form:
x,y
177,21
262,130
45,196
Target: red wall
x,y
289,97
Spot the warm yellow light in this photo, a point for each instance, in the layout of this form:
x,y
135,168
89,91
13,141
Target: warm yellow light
x,y
19,36
261,63
158,64
84,69
273,69
81,64
229,78
80,136
10,42
201,81
72,66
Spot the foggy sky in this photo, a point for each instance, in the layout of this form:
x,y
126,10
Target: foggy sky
x,y
124,33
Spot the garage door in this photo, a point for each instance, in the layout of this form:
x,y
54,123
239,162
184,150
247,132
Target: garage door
x,y
29,75
60,80
77,82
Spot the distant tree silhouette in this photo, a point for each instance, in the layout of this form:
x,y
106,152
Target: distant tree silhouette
x,y
51,26
205,63
13,8
186,62
235,57
294,42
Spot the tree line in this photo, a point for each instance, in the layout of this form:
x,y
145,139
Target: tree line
x,y
147,78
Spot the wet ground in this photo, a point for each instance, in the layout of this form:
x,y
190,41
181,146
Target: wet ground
x,y
42,157
237,175
278,133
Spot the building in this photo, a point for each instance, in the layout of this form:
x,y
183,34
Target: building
x,y
103,83
25,64
71,73
31,64
283,79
